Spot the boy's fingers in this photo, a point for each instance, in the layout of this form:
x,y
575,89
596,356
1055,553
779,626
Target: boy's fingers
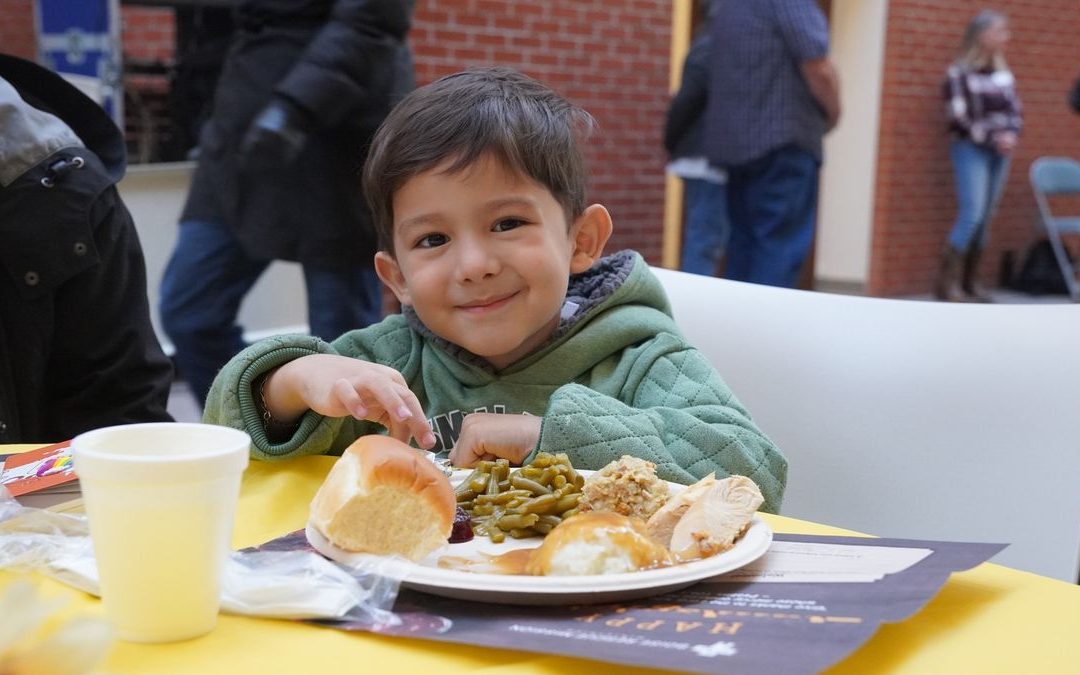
x,y
389,397
399,431
349,399
402,420
460,456
421,430
467,453
400,413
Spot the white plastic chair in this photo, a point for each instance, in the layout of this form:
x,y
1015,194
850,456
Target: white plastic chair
x,y
1058,176
908,419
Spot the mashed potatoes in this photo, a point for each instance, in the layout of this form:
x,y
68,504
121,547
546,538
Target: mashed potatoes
x,y
597,543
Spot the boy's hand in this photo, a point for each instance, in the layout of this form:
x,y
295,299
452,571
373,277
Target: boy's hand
x,y
339,386
492,435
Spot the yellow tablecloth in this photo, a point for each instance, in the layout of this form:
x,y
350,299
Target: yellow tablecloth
x,y
991,619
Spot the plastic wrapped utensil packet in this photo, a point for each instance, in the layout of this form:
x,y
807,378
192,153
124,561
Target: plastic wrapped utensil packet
x,y
304,585
277,584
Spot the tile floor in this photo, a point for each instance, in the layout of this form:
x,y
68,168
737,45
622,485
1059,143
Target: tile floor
x,y
182,404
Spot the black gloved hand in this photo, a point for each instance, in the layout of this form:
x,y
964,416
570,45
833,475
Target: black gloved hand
x,y
276,136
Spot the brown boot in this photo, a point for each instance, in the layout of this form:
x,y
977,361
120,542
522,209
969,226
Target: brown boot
x,y
947,287
976,291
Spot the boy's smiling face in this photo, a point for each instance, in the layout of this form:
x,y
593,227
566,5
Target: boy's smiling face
x,y
483,256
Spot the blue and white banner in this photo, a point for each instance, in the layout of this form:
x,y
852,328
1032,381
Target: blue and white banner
x,y
80,39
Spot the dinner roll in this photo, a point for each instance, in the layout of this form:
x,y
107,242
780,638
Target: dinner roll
x,y
386,498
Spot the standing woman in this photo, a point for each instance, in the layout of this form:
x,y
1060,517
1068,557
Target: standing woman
x,y
984,119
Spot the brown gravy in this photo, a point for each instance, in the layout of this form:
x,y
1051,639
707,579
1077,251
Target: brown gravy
x,y
620,532
511,562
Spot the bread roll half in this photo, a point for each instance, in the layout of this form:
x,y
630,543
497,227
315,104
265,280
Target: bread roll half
x,y
386,498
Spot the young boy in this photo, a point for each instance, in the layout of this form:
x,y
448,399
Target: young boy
x,y
516,336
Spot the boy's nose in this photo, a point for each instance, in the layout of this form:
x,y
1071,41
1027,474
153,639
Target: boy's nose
x,y
476,262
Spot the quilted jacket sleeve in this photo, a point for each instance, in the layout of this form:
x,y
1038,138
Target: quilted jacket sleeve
x,y
675,411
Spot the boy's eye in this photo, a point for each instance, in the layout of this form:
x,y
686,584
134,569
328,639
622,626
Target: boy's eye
x,y
431,241
505,224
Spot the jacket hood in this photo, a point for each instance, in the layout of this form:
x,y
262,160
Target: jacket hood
x,y
618,302
40,113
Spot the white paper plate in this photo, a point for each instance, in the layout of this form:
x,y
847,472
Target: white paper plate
x,y
555,590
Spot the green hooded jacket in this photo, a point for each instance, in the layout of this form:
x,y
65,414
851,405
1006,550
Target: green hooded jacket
x,y
617,378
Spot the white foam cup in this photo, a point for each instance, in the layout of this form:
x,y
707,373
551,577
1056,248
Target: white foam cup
x,y
160,499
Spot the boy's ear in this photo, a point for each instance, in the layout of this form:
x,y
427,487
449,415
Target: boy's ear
x,y
590,233
390,272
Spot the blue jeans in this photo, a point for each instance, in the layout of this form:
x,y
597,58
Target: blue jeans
x,y
706,232
980,176
772,203
206,280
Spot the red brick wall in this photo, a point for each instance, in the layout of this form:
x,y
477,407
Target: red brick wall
x,y
17,28
609,56
147,32
915,199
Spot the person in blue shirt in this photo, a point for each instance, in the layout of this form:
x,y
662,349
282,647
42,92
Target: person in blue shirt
x,y
773,95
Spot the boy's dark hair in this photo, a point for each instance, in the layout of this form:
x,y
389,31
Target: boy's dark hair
x,y
526,125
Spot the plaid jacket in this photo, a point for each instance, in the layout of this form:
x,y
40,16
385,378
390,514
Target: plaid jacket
x,y
981,103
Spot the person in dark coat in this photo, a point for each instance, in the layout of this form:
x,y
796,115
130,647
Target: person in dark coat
x,y
706,227
77,350
304,87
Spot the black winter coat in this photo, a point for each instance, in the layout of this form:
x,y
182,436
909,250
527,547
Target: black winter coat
x,y
684,127
77,350
339,61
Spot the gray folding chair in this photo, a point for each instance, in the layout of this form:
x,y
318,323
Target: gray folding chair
x,y
1058,176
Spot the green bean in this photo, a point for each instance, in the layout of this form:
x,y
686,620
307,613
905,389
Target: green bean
x,y
532,486
479,484
568,489
530,472
464,485
516,521
543,460
493,484
567,502
523,502
503,497
550,520
541,504
465,496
